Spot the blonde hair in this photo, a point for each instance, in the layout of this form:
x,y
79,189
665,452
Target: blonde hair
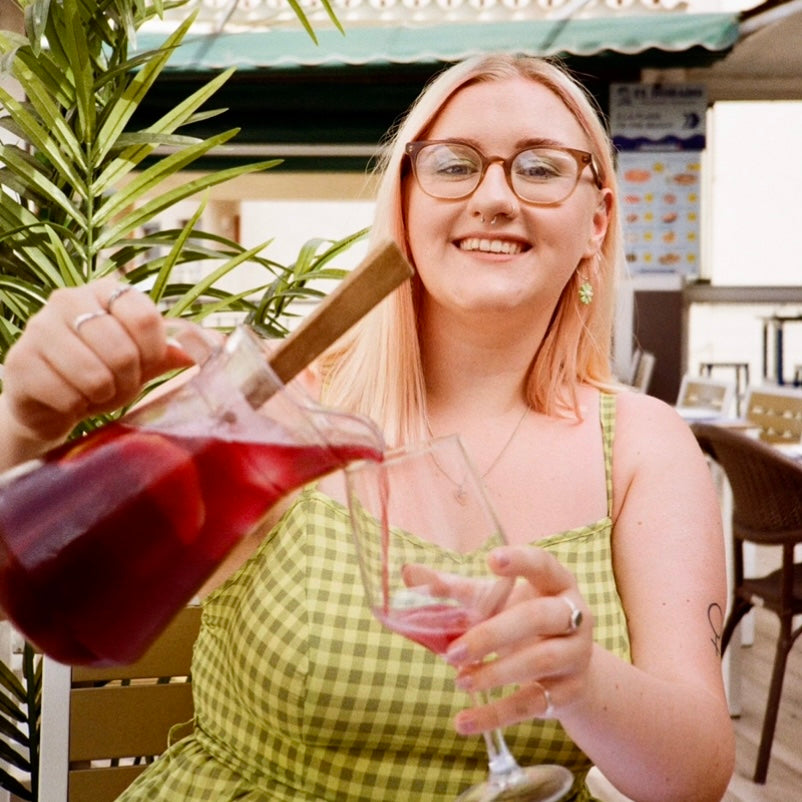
x,y
376,369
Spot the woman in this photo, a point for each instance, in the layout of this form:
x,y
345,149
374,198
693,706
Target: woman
x,y
500,186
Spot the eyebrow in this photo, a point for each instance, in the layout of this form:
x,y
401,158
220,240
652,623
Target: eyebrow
x,y
542,142
522,144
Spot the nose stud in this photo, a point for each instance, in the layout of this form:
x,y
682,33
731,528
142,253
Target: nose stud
x,y
492,222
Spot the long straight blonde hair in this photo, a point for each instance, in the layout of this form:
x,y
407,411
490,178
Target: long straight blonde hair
x,y
375,369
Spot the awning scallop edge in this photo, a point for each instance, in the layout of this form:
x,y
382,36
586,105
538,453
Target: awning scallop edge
x,y
286,49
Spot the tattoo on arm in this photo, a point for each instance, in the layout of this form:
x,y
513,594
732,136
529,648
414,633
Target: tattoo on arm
x,y
715,615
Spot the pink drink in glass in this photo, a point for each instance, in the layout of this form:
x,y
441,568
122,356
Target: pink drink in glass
x,y
434,626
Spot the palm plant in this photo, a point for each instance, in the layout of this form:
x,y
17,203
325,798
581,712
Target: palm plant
x,y
19,724
77,185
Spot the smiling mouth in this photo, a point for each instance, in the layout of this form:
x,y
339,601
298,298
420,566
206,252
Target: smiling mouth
x,y
490,246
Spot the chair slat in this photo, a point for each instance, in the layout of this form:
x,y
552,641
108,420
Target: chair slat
x,y
101,784
126,721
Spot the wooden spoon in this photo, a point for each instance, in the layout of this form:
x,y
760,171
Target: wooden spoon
x,y
380,272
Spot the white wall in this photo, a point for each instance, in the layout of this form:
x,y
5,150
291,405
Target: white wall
x,y
293,222
756,186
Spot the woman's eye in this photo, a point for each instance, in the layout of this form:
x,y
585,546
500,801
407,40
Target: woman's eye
x,y
544,166
537,169
455,168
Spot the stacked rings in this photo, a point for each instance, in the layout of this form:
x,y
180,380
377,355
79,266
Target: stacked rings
x,y
85,317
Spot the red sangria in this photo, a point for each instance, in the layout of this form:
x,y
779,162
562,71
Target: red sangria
x,y
105,538
101,544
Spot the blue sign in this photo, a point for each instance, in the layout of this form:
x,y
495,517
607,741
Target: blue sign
x,y
658,117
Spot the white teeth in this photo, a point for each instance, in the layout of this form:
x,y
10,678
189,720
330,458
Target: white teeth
x,y
490,246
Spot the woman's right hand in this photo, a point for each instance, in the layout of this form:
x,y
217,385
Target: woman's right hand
x,y
89,350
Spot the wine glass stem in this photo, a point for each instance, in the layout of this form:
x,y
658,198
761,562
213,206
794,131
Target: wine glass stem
x,y
500,760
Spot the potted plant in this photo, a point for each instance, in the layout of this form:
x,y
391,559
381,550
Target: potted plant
x,y
78,185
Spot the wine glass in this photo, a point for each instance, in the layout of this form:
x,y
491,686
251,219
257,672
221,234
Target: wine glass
x,y
423,528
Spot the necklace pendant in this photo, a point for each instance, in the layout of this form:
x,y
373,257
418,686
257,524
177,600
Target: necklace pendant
x,y
460,495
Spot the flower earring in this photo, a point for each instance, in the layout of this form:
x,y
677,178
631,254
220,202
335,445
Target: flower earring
x,y
585,292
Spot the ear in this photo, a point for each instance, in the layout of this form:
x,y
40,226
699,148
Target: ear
x,y
599,222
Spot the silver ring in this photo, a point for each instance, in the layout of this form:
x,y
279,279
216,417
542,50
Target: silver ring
x,y
86,317
576,616
121,290
548,712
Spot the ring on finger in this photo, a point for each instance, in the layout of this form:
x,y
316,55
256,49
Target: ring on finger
x,y
548,711
576,616
120,291
85,317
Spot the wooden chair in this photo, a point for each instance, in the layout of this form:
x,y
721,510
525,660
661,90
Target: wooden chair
x,y
700,395
101,726
767,510
777,411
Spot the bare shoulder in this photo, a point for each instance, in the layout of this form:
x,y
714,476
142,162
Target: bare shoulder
x,y
649,430
638,414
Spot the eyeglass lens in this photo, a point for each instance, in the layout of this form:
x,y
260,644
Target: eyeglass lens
x,y
454,170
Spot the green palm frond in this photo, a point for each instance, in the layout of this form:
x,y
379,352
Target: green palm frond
x,y
20,722
77,189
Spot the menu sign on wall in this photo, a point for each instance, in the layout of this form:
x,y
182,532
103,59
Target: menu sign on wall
x,y
659,132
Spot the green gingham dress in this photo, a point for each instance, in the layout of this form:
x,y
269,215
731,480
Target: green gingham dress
x,y
300,694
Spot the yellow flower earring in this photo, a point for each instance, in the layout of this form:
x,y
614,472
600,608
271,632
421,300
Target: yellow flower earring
x,y
586,288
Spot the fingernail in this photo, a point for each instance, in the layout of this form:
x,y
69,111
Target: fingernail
x,y
456,654
465,724
502,558
464,682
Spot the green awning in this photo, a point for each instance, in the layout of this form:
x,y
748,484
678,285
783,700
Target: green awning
x,y
375,46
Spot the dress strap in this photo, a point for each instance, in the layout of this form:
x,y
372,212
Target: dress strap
x,y
607,416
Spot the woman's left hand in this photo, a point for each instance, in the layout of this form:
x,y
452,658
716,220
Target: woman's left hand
x,y
541,642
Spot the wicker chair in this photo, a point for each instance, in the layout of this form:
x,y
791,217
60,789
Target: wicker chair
x,y
767,510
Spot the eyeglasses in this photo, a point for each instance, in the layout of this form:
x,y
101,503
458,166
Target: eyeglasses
x,y
450,169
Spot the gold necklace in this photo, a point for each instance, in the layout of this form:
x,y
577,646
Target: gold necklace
x,y
459,487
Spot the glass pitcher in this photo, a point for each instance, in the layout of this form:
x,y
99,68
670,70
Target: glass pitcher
x,y
106,537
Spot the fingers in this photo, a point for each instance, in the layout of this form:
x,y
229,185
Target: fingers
x,y
533,701
546,605
483,597
527,642
541,644
546,575
88,350
119,327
